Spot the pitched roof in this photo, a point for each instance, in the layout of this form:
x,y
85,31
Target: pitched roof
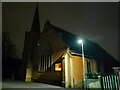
x,y
91,48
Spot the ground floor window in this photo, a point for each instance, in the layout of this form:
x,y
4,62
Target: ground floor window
x,y
58,67
88,66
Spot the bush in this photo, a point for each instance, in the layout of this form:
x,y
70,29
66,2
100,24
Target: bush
x,y
92,75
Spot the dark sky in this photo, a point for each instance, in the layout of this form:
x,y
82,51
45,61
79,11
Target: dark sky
x,y
94,21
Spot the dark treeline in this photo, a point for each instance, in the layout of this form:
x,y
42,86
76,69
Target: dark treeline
x,y
11,66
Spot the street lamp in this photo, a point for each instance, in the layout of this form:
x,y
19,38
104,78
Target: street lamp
x,y
80,41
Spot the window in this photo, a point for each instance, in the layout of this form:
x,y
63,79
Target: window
x,y
88,66
45,63
58,67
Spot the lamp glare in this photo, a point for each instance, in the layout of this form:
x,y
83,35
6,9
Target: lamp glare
x,y
80,41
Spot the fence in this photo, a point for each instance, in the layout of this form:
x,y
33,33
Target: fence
x,y
110,82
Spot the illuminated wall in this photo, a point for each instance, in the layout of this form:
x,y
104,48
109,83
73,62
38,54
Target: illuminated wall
x,y
67,72
77,68
74,70
28,73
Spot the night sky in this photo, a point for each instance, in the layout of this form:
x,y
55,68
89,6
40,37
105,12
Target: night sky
x,y
94,21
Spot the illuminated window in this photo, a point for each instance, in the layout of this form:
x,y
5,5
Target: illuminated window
x,y
58,67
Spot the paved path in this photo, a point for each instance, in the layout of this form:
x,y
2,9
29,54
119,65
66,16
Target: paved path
x,y
22,84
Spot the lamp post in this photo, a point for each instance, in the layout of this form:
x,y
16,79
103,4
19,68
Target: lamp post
x,y
84,78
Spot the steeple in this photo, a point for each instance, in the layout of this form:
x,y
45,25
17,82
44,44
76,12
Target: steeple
x,y
46,26
36,24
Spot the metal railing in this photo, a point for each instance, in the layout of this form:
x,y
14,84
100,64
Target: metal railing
x,y
110,82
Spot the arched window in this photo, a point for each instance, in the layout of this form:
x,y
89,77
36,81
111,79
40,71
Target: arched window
x,y
45,57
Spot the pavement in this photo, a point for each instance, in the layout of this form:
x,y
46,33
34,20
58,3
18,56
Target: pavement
x,y
22,84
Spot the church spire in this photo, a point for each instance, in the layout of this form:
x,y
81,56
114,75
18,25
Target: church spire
x,y
36,24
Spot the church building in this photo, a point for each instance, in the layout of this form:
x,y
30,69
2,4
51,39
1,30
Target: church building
x,y
53,56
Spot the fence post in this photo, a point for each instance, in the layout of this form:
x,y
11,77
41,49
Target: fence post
x,y
118,78
113,82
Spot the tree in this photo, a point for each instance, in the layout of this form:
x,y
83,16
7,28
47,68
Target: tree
x,y
10,64
8,48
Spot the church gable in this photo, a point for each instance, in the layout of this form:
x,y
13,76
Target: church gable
x,y
50,36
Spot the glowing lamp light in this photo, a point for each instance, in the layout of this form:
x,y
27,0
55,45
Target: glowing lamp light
x,y
80,41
